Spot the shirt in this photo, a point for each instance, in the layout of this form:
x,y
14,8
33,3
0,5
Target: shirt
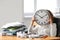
x,y
49,30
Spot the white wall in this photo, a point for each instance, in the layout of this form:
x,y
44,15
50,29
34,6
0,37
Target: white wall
x,y
11,11
27,21
58,3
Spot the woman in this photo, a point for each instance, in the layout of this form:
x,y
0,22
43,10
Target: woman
x,y
41,29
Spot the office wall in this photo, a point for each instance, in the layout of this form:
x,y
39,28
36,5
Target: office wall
x,y
58,3
11,11
27,21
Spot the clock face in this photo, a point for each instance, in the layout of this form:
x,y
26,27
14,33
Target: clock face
x,y
41,16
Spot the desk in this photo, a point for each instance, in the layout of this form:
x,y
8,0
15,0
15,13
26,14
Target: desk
x,y
16,38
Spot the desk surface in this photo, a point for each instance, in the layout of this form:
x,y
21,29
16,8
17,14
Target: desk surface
x,y
16,38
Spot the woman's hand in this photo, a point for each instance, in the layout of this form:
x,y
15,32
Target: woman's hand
x,y
44,36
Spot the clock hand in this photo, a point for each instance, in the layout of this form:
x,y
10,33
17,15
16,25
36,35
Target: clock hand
x,y
44,15
39,15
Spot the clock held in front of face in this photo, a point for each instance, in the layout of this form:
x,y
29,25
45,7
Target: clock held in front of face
x,y
41,17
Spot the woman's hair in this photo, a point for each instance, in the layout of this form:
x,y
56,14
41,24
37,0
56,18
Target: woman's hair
x,y
51,16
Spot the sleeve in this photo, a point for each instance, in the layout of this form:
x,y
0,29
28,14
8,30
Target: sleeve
x,y
29,30
53,30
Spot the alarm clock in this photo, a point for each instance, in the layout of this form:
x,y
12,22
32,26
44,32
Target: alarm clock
x,y
41,17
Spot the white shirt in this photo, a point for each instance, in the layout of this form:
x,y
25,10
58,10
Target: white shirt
x,y
49,30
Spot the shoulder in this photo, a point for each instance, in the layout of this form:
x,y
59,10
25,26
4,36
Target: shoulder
x,y
54,24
